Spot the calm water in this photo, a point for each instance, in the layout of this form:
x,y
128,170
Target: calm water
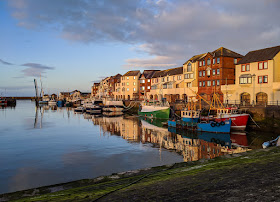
x,y
46,146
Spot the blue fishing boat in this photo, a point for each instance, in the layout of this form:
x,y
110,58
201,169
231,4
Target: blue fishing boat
x,y
215,127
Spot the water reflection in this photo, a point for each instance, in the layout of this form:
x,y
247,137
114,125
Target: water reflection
x,y
191,145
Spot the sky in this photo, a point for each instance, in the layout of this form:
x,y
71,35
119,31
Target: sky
x,y
72,43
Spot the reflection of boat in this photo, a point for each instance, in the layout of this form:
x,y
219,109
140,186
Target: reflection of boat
x,y
215,127
150,126
222,139
113,106
154,110
112,114
239,139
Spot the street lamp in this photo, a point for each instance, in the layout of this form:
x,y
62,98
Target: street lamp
x,y
253,101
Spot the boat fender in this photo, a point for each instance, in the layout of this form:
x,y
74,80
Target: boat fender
x,y
218,124
213,124
222,123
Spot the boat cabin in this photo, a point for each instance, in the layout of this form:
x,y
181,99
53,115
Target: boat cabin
x,y
190,113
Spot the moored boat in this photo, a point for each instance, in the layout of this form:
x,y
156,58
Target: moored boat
x,y
3,101
154,110
79,109
113,106
190,116
215,127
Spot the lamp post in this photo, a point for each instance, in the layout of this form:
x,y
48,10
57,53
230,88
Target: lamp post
x,y
253,101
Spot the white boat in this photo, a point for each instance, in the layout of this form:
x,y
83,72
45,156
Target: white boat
x,y
158,110
52,102
79,109
113,106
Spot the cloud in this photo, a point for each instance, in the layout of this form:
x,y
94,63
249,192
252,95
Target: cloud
x,y
161,29
35,69
5,63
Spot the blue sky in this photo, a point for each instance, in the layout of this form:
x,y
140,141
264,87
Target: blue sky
x,y
73,43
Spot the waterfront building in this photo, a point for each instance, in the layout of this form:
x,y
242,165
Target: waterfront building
x,y
78,95
94,89
130,85
216,69
145,83
257,79
111,84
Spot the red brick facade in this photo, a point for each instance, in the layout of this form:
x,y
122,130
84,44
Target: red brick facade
x,y
215,70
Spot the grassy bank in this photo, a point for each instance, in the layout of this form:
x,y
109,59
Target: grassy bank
x,y
161,183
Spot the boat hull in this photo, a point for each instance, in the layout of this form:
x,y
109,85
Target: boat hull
x,y
158,114
190,120
239,121
213,127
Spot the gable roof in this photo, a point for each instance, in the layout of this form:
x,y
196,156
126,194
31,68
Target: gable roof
x,y
170,72
260,55
132,73
226,53
149,73
195,58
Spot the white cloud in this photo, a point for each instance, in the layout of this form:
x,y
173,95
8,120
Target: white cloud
x,y
170,29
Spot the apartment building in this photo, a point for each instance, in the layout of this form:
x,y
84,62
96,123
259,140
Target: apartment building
x,y
145,83
130,85
94,89
257,78
215,69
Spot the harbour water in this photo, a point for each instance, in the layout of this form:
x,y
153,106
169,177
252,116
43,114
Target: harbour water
x,y
49,145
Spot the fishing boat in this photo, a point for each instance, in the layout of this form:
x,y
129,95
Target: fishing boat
x,y
189,114
215,127
156,110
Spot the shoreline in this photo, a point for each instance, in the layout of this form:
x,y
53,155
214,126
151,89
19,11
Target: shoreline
x,y
131,183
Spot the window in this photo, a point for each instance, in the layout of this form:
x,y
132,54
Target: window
x,y
134,83
203,73
173,78
246,80
134,89
218,82
203,83
134,77
200,74
214,61
203,62
208,83
162,79
214,82
149,80
247,67
209,61
149,87
127,78
142,81
127,84
189,68
127,89
214,72
188,76
189,85
262,65
218,60
265,65
167,79
177,85
235,61
200,63
208,72
179,77
218,71
200,84
243,68
262,79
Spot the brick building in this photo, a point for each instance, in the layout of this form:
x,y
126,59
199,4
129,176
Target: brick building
x,y
215,69
94,89
145,83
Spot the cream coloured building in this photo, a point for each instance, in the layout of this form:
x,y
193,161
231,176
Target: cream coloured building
x,y
129,86
257,79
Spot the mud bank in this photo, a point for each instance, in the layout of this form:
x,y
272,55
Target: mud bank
x,y
252,176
